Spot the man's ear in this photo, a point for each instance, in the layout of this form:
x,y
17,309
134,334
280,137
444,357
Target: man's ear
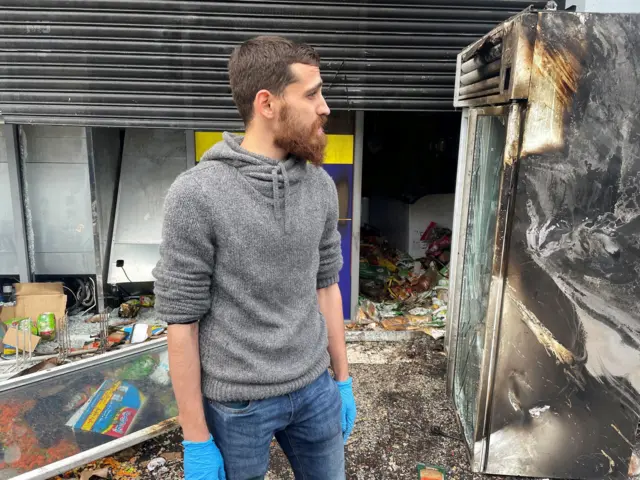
x,y
263,104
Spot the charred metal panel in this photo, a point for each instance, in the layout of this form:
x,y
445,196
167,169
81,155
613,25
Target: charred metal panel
x,y
516,72
566,400
497,68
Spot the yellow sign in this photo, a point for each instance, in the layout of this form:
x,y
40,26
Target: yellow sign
x,y
339,150
339,147
204,141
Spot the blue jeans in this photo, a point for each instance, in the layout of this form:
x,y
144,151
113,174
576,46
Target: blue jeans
x,y
306,424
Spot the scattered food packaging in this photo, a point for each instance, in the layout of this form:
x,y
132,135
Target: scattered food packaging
x,y
399,292
46,324
129,309
140,332
112,410
138,369
428,472
22,323
161,374
147,301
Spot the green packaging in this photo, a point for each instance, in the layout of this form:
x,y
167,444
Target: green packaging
x,y
47,326
430,472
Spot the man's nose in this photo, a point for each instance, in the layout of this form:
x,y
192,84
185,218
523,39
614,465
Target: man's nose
x,y
324,108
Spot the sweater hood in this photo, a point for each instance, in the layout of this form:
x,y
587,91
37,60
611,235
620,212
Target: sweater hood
x,y
276,180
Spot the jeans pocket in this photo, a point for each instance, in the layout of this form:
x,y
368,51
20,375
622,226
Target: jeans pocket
x,y
232,408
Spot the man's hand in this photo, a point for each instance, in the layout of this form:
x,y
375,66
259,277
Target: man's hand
x,y
348,412
330,303
203,461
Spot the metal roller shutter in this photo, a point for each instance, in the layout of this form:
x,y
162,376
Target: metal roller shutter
x,y
162,63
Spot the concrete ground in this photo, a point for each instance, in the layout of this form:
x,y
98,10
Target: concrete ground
x,y
400,391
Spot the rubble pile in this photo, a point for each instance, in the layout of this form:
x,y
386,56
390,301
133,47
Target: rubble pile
x,y
398,292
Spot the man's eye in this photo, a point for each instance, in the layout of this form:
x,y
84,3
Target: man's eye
x,y
312,94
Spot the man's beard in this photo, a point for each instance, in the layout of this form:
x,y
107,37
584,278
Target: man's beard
x,y
303,143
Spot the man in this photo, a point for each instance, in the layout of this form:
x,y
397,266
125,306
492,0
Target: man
x,y
247,281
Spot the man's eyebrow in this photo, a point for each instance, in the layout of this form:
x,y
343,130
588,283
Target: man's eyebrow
x,y
316,87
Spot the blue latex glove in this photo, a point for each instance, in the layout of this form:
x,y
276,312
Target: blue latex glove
x,y
203,461
348,413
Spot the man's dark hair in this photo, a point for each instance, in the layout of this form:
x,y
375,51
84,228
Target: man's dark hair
x,y
264,63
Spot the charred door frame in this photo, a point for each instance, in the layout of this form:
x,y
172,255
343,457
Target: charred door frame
x,y
514,113
499,273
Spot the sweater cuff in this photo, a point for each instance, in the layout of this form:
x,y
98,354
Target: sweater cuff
x,y
328,281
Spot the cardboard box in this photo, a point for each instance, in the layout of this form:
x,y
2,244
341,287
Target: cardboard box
x,y
20,339
32,299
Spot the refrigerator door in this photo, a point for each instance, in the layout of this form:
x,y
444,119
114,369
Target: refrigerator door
x,y
484,189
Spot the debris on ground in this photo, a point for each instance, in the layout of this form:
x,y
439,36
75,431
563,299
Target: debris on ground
x,y
109,467
399,292
157,466
154,459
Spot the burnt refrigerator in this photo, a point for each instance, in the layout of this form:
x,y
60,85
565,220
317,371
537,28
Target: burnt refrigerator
x,y
544,332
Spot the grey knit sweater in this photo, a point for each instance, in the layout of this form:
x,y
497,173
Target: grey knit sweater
x,y
246,242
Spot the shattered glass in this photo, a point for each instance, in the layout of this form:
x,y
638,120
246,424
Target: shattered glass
x,y
490,138
62,415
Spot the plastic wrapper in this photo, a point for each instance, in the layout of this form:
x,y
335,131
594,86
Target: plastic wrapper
x,y
444,271
129,309
429,472
80,398
426,281
21,324
376,291
167,400
436,238
111,410
400,292
46,325
147,301
367,312
383,262
161,373
373,272
138,369
395,323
